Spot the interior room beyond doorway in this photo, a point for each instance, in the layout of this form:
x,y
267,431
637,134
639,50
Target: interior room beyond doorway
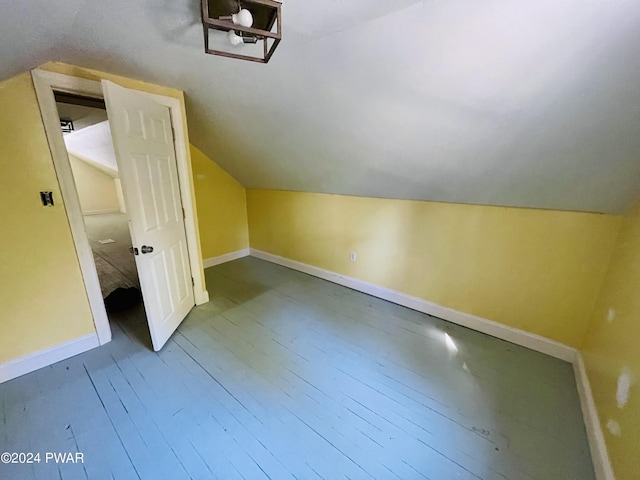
x,y
91,156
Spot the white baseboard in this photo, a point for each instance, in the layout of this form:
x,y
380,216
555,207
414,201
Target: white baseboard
x,y
227,257
495,329
597,445
100,212
201,297
29,363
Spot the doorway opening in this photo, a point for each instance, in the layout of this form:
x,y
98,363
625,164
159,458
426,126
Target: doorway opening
x,y
95,172
152,151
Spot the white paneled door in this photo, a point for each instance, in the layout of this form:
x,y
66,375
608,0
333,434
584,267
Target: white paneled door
x,y
143,142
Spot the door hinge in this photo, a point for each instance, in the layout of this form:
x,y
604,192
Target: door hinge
x,y
184,215
193,282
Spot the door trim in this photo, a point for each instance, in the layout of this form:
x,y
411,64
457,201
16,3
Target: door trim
x,y
45,83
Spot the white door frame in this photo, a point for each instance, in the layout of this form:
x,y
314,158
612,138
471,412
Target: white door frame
x,y
45,84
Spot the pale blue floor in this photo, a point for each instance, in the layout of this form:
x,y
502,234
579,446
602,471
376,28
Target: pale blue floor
x,y
283,375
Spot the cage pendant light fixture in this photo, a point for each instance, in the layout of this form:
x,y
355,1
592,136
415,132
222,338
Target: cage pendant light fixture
x,y
243,29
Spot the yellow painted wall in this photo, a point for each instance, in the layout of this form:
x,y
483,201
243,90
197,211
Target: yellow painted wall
x,y
536,270
120,195
612,348
42,297
222,208
96,189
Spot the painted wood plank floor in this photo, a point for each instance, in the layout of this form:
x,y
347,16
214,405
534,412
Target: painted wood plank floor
x,y
283,375
115,263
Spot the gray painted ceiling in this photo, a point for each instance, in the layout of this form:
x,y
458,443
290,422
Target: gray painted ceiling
x,y
81,116
524,103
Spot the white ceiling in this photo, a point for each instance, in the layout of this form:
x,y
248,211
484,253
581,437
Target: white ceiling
x,y
530,103
91,139
93,145
81,116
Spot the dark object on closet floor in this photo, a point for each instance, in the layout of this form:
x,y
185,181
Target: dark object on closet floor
x,y
122,299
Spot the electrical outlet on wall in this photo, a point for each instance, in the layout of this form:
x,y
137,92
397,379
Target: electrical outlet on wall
x,y
352,256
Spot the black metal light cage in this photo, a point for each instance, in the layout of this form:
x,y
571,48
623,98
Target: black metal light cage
x,y
265,14
67,125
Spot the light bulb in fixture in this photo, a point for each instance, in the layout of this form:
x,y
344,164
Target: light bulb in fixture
x,y
236,40
243,18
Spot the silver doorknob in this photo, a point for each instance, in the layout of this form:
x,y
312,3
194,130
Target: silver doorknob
x,y
146,249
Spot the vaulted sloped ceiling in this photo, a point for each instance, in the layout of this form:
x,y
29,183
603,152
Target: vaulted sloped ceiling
x,y
532,103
